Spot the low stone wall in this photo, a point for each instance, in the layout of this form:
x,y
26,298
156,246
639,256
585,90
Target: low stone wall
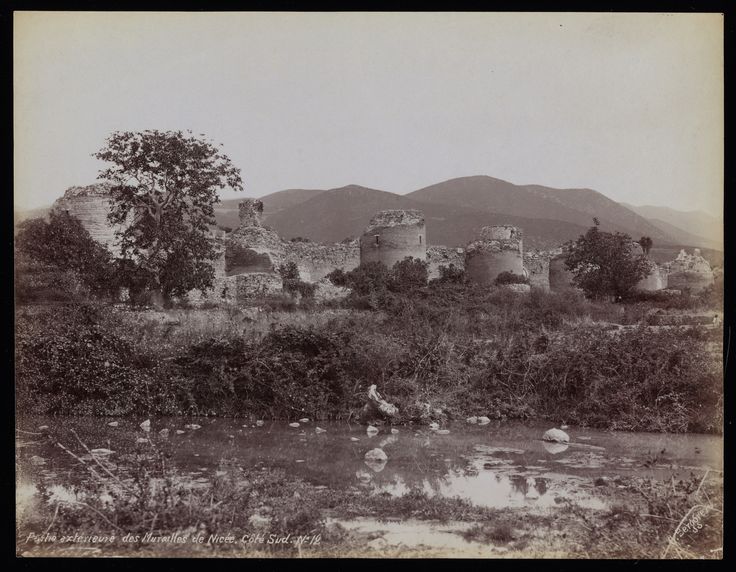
x,y
444,256
256,285
316,260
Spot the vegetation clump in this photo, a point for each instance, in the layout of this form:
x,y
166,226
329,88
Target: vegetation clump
x,y
604,264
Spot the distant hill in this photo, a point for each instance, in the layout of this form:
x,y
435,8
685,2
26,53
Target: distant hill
x,y
455,211
341,213
688,224
576,206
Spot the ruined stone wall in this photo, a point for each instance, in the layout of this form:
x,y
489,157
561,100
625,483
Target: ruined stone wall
x,y
536,264
252,248
256,285
498,250
444,256
689,272
316,260
392,235
90,205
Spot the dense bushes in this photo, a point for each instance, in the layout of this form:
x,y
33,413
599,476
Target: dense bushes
x,y
431,356
67,363
374,278
59,250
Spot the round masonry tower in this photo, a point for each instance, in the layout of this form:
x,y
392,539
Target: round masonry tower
x,y
392,235
498,250
90,205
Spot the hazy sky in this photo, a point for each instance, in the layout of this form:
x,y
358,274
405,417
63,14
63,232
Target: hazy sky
x,y
628,104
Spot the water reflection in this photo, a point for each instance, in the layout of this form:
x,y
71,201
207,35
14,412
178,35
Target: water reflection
x,y
555,448
494,465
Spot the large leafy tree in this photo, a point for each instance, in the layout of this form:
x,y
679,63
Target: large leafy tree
x,y
604,264
164,188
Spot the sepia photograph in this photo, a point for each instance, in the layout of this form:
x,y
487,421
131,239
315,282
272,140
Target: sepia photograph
x,y
368,284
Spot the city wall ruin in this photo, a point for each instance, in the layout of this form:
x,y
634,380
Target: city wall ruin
x,y
250,256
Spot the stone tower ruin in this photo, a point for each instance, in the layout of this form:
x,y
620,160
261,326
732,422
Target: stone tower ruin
x,y
250,212
690,272
90,205
392,235
252,248
498,250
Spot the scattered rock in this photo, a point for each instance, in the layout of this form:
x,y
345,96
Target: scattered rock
x,y
371,430
556,436
320,430
259,423
376,455
377,407
483,420
295,424
300,460
473,420
304,420
354,439
192,426
38,461
141,440
164,433
43,428
394,431
146,425
113,424
564,426
434,426
180,431
443,432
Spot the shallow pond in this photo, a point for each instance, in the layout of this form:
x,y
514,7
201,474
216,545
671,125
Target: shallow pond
x,y
496,465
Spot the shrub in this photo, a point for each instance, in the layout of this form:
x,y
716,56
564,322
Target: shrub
x,y
64,244
604,264
450,275
367,278
293,284
407,275
67,363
